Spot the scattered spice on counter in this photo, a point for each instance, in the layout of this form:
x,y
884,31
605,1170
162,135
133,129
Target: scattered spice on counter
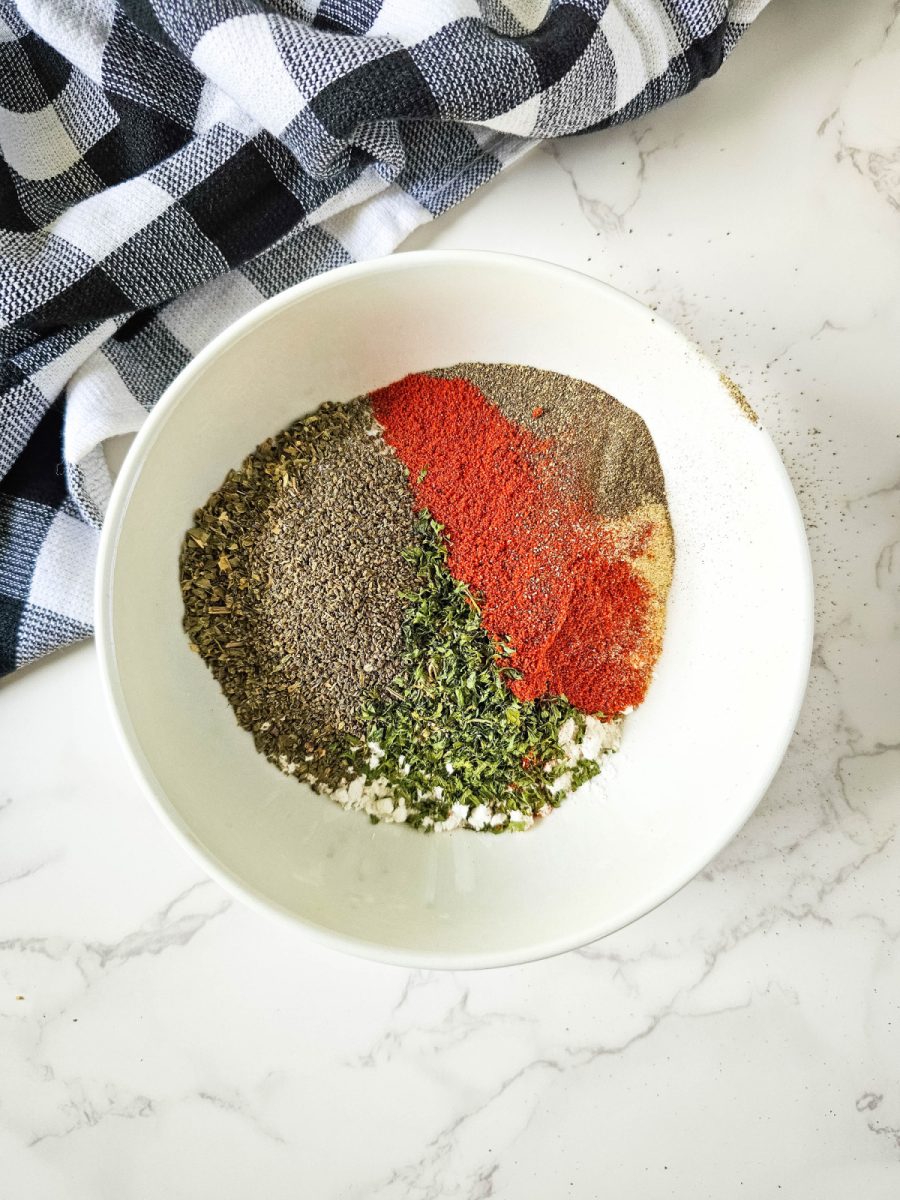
x,y
435,603
739,398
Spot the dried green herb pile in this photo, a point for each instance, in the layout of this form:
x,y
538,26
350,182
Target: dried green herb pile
x,y
447,743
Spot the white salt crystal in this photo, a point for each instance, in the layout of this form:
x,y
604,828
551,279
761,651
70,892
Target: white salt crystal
x,y
479,816
567,731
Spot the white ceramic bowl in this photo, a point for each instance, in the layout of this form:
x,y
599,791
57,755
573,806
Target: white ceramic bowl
x,y
696,758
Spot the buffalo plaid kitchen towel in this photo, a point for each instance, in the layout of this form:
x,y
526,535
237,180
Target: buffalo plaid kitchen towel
x,y
167,164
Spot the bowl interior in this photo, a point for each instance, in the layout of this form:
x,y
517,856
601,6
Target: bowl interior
x,y
696,757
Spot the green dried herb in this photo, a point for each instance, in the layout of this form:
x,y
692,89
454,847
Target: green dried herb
x,y
450,732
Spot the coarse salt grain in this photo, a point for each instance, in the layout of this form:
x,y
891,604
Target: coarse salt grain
x,y
452,821
562,784
566,731
479,816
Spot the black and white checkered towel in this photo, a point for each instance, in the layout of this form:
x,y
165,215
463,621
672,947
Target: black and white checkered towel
x,y
167,164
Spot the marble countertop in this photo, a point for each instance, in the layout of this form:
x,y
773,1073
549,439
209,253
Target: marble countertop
x,y
159,1040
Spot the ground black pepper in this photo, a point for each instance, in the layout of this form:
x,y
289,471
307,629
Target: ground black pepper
x,y
607,444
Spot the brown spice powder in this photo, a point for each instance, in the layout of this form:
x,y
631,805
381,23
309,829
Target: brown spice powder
x,y
739,398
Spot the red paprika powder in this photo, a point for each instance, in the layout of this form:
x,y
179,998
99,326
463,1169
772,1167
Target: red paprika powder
x,y
555,583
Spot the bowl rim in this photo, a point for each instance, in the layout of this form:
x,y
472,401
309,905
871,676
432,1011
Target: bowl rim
x,y
168,813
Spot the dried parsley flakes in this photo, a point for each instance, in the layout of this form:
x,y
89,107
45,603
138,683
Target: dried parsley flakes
x,y
448,744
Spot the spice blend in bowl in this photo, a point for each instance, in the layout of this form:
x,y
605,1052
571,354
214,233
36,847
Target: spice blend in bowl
x,y
436,603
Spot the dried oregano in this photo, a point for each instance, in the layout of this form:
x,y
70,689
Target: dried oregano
x,y
292,577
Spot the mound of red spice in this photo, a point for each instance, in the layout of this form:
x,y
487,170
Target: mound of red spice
x,y
555,584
